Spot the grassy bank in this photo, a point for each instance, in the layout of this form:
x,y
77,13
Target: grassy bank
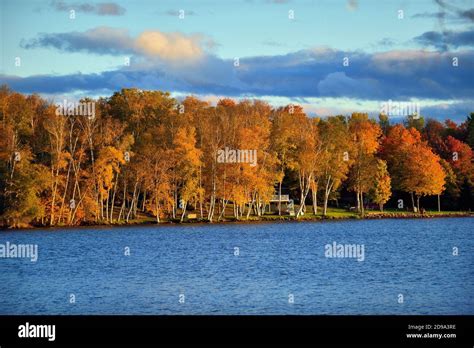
x,y
332,214
343,214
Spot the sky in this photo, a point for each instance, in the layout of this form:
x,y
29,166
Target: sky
x,y
329,56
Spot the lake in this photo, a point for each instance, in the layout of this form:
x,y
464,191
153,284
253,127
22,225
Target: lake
x,y
408,266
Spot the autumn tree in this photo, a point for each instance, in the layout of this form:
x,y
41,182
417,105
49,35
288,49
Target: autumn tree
x,y
284,131
23,181
413,166
187,165
470,130
460,157
381,190
306,155
384,123
335,156
365,135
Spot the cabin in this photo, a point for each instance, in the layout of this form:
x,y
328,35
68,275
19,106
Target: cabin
x,y
287,205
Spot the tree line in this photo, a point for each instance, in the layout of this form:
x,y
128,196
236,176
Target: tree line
x,y
144,153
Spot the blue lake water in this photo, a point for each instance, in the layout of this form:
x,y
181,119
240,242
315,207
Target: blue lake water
x,y
276,263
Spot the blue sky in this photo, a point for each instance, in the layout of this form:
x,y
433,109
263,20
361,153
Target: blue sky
x,y
401,56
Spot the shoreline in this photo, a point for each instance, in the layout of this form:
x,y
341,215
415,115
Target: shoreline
x,y
253,220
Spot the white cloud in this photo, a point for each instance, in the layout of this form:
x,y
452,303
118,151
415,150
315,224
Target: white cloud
x,y
169,46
